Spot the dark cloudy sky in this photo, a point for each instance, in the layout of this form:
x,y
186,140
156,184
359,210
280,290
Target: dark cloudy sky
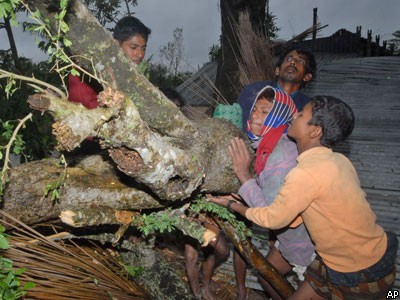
x,y
200,20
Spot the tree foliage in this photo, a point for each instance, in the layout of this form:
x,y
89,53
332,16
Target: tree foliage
x,y
394,44
215,52
10,283
107,11
161,77
170,71
172,54
37,137
271,29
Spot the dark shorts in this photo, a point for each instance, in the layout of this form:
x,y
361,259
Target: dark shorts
x,y
371,283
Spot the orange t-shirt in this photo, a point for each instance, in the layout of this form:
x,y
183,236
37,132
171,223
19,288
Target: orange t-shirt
x,y
325,190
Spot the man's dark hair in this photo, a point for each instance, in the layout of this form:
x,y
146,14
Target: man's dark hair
x,y
311,66
128,27
173,95
335,117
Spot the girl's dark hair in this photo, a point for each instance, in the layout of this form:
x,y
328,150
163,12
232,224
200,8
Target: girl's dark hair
x,y
335,117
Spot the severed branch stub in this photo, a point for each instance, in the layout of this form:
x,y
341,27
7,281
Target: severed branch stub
x,y
127,160
257,260
39,102
100,216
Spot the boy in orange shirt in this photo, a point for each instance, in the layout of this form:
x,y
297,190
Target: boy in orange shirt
x,y
356,258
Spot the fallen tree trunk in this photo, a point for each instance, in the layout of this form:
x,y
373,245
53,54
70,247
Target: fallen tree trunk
x,y
167,156
172,168
173,155
95,182
91,184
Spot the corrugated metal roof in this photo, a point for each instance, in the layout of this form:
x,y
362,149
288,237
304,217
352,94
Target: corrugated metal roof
x,y
198,89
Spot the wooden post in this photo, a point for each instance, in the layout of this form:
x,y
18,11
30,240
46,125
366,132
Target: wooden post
x,y
377,48
384,47
359,44
314,32
369,41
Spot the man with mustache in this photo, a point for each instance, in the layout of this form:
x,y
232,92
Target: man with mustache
x,y
294,69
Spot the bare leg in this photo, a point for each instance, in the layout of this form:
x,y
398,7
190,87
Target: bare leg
x,y
275,258
218,254
240,268
192,271
306,292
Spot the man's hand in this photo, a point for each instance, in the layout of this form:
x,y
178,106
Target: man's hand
x,y
241,159
221,200
229,202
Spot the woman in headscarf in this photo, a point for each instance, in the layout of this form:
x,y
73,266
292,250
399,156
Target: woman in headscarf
x,y
276,155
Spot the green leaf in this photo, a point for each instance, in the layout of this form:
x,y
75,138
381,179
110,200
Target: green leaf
x,y
35,14
5,9
29,285
55,195
6,264
67,42
64,27
19,271
133,271
96,281
39,28
4,242
63,4
75,72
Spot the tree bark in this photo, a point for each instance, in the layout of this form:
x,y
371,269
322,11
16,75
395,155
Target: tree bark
x,y
161,278
227,81
92,183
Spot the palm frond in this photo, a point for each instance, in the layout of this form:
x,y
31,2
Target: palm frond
x,y
66,270
256,58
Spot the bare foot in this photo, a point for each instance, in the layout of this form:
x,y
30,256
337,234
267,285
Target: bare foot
x,y
242,294
208,294
197,293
